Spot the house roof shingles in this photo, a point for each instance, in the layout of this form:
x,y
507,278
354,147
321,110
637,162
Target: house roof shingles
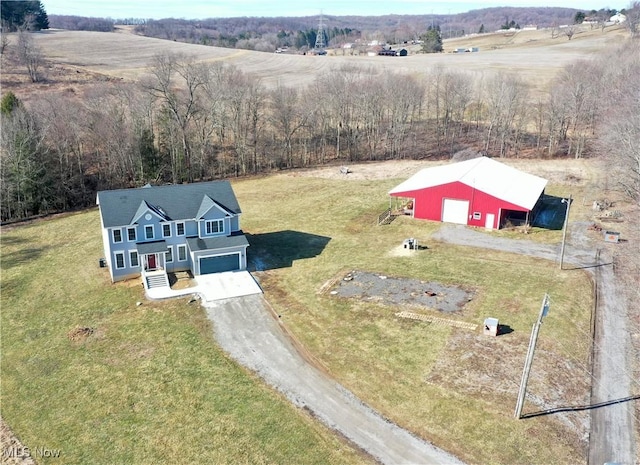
x,y
175,202
220,242
145,248
482,173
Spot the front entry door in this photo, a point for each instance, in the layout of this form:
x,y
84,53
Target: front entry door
x,y
151,261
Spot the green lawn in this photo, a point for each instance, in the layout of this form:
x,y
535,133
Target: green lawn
x,y
451,386
148,386
151,386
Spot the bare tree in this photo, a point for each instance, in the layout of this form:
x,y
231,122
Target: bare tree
x,y
373,102
244,101
341,90
4,41
579,92
403,97
569,32
288,117
633,18
454,95
176,83
619,135
64,122
24,177
506,112
30,55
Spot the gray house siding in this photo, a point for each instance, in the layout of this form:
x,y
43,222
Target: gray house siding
x,y
166,217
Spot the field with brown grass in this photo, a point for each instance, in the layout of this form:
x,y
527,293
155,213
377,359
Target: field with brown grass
x,y
533,55
421,383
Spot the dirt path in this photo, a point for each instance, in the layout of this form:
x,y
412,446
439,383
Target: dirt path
x,y
612,437
246,329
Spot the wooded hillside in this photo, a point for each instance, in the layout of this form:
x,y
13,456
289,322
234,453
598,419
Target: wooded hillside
x,y
186,119
267,34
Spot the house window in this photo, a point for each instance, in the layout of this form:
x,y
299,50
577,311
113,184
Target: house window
x,y
131,234
166,230
169,255
148,231
117,235
119,256
214,226
477,215
182,253
180,229
133,259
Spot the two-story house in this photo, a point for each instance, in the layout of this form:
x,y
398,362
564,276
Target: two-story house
x,y
153,230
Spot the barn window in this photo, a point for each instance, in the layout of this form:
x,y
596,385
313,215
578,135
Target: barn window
x,y
477,215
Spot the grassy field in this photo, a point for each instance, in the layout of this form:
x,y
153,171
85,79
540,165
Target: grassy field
x,y
532,55
451,386
147,386
454,387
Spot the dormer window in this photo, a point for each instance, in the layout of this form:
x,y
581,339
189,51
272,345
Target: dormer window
x,y
214,226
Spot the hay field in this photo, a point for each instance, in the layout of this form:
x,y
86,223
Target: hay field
x,y
533,55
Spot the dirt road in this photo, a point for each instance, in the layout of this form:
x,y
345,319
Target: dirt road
x,y
246,329
612,436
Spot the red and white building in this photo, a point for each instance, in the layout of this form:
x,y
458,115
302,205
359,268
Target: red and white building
x,y
478,192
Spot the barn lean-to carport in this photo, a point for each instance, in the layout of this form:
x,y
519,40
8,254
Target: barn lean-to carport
x,y
478,192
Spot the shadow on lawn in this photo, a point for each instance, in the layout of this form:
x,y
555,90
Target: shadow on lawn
x,y
279,249
20,257
577,408
504,329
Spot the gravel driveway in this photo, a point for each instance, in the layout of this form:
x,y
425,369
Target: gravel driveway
x,y
246,329
612,426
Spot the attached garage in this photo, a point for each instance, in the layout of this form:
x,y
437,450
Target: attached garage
x,y
218,254
478,192
220,263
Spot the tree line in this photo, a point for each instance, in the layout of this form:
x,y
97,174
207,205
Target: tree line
x,y
189,121
268,34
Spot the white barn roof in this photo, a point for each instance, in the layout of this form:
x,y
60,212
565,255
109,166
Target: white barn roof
x,y
482,173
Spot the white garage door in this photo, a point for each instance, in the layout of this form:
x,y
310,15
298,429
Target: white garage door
x,y
455,211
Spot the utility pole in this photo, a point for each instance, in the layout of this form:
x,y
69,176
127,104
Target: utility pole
x,y
564,228
544,309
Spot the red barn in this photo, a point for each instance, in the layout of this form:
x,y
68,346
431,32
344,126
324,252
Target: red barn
x,y
477,192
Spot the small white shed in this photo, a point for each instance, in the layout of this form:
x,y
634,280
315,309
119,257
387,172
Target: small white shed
x,y
491,327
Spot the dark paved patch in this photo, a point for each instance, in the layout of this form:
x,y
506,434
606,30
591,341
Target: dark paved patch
x,y
390,290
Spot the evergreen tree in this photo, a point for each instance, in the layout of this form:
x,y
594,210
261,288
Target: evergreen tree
x,y
481,30
29,15
9,103
432,40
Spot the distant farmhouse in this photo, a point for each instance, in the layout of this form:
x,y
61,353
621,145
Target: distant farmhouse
x,y
150,231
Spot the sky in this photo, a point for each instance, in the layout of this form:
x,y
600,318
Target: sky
x,y
195,9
